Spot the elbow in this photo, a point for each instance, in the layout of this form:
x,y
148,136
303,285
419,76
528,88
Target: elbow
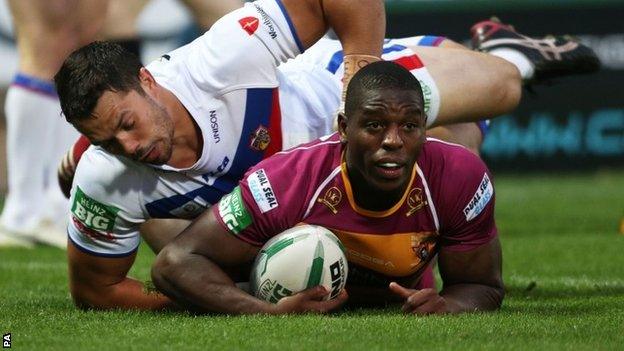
x,y
498,294
495,295
86,298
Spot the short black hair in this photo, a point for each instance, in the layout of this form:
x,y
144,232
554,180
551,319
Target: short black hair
x,y
379,75
90,71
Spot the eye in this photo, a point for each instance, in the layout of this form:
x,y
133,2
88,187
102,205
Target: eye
x,y
410,126
373,125
128,125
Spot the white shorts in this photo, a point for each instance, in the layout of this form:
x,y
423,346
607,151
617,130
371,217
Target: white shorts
x,y
311,85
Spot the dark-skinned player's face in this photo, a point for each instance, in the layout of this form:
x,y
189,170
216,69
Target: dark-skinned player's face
x,y
384,136
130,124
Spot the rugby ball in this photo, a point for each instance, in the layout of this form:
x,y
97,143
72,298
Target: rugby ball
x,y
297,259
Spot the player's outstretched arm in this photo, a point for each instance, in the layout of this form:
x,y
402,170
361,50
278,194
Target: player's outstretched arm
x,y
472,279
472,282
101,283
191,270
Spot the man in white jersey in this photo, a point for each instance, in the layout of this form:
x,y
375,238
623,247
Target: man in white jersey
x,y
176,138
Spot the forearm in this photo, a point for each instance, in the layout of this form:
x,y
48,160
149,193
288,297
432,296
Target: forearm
x,y
127,294
359,24
472,297
199,284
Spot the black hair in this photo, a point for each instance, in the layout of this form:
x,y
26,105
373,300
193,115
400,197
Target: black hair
x,y
90,71
379,75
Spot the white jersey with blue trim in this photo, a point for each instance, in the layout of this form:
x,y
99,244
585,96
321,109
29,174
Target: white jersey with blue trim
x,y
248,103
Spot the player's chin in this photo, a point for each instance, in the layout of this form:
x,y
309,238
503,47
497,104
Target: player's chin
x,y
164,154
390,184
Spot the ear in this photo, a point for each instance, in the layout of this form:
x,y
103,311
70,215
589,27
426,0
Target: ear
x,y
342,126
146,78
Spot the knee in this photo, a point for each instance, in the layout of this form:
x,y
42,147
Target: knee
x,y
167,262
508,88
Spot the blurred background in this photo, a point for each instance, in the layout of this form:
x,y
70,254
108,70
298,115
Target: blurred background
x,y
579,126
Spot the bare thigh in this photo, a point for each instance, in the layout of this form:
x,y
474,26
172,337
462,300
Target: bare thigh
x,y
473,85
48,30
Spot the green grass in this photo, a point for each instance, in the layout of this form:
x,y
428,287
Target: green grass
x,y
563,269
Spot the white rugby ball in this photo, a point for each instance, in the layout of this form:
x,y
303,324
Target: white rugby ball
x,y
297,259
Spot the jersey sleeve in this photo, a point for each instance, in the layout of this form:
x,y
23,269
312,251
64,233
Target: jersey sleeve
x,y
105,211
244,48
466,205
268,200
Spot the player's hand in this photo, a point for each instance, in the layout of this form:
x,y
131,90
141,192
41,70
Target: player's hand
x,y
310,301
421,302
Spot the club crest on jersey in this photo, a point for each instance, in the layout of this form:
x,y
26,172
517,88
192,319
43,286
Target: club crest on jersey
x,y
331,199
262,191
92,217
423,245
260,139
415,201
249,24
481,198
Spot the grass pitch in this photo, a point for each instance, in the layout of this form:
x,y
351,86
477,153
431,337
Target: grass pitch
x,y
563,268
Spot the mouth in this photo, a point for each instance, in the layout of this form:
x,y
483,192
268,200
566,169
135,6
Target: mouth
x,y
150,155
390,169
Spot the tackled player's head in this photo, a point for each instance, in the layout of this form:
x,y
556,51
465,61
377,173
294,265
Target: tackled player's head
x,y
90,71
383,128
114,101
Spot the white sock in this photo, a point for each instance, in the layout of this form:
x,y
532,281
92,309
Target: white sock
x,y
63,136
31,106
518,59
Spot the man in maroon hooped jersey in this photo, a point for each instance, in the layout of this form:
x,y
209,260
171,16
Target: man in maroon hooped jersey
x,y
395,199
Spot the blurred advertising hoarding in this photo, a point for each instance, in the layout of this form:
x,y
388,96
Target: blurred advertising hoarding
x,y
578,122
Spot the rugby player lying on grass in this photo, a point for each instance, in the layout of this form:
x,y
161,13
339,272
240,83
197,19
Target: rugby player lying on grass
x,y
172,138
384,189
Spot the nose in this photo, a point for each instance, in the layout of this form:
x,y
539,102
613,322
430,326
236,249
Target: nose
x,y
392,138
129,146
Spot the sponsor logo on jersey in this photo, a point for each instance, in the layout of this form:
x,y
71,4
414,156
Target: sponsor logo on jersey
x,y
415,201
331,199
262,191
260,139
380,262
481,198
266,21
214,126
249,24
220,169
233,212
92,217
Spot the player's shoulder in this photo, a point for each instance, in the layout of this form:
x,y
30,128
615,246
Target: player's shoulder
x,y
313,155
450,158
459,181
99,171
